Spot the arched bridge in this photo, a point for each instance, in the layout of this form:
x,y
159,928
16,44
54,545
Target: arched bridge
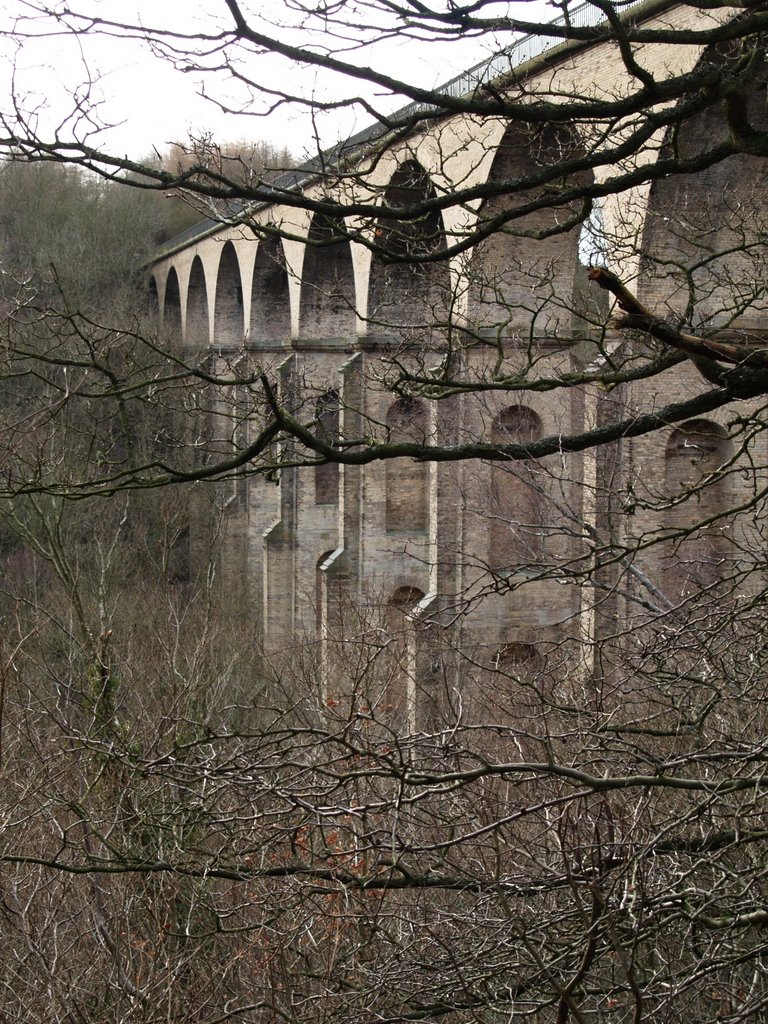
x,y
336,308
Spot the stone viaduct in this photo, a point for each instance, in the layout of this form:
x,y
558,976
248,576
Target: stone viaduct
x,y
492,551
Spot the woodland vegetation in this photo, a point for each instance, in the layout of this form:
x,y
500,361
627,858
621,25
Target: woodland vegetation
x,y
190,833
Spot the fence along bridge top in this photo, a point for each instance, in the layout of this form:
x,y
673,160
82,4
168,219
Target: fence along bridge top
x,y
524,50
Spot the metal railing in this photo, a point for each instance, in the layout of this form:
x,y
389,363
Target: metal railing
x,y
584,15
524,49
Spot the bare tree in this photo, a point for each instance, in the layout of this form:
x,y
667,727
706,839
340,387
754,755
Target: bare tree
x,y
571,149
625,120
531,791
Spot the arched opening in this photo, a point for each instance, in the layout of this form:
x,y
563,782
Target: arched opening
x,y
520,658
399,666
327,428
404,294
270,300
328,284
153,298
704,253
228,325
407,481
695,453
172,305
517,498
517,685
197,332
510,707
525,285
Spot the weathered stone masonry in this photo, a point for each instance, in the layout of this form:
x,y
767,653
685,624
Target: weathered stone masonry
x,y
416,540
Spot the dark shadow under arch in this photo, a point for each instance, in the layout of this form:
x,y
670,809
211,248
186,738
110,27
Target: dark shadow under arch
x,y
228,326
407,481
517,496
328,282
153,297
172,304
270,298
521,285
197,330
405,295
704,254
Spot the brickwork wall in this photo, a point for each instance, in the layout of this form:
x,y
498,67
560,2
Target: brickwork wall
x,y
704,251
522,287
270,318
328,284
229,321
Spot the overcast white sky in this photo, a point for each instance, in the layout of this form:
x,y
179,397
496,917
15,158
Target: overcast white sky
x,y
150,103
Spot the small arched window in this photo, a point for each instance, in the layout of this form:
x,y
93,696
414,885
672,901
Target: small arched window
x,y
517,526
327,428
695,454
518,658
407,481
399,665
695,450
512,703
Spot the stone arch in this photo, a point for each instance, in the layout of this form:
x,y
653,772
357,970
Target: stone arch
x,y
704,254
517,499
228,313
403,295
405,598
695,451
327,427
172,304
328,284
197,323
407,481
520,286
270,298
